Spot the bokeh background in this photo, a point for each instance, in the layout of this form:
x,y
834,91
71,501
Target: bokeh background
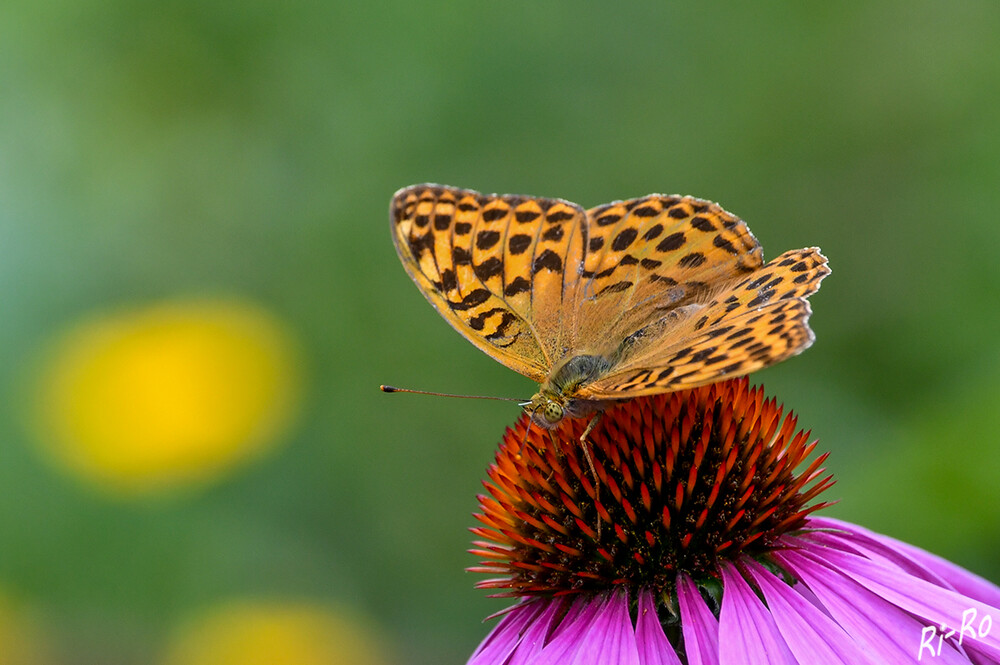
x,y
200,295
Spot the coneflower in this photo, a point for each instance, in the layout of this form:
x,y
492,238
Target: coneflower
x,y
695,543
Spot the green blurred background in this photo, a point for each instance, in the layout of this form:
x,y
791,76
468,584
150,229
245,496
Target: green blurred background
x,y
246,152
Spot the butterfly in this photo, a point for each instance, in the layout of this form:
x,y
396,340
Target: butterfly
x,y
649,295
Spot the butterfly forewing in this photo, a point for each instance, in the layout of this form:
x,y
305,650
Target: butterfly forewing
x,y
494,267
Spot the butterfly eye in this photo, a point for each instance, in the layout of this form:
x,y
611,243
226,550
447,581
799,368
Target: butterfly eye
x,y
553,413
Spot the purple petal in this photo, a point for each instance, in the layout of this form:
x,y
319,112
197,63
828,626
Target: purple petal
x,y
537,633
935,605
857,542
578,606
811,635
572,630
602,633
701,628
654,647
883,628
965,582
747,633
619,643
506,635
959,578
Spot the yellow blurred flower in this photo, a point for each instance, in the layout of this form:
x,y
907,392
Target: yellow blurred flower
x,y
21,641
167,394
258,633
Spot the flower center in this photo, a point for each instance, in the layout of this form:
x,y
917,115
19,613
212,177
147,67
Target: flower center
x,y
683,481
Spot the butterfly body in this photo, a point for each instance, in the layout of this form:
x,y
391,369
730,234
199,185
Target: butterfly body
x,y
556,398
630,298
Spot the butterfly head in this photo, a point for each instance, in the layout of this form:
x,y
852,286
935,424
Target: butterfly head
x,y
546,408
557,398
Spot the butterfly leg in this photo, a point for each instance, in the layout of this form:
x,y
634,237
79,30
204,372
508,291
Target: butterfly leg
x,y
524,440
590,462
590,428
557,448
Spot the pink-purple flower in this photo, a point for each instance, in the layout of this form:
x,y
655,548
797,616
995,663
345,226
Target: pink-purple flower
x,y
693,542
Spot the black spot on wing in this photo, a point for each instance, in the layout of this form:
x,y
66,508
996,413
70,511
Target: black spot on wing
x,y
692,260
489,268
518,243
505,320
669,281
493,214
683,353
547,260
671,242
617,287
553,233
762,297
724,245
743,341
448,280
718,331
487,239
442,221
479,321
703,224
519,285
421,244
624,239
558,216
699,356
472,299
653,232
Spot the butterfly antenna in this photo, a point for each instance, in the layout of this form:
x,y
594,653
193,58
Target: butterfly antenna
x,y
394,389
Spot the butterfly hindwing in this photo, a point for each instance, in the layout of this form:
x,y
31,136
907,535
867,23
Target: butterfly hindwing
x,y
756,322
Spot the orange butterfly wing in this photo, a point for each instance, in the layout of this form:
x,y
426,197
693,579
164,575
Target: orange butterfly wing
x,y
494,267
757,322
650,258
672,290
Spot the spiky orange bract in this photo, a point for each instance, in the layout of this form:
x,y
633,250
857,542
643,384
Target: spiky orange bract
x,y
687,479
